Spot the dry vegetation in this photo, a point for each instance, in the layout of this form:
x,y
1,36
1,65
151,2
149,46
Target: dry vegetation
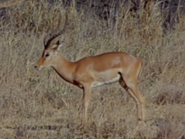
x,y
40,105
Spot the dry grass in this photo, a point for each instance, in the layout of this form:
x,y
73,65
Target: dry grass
x,y
40,105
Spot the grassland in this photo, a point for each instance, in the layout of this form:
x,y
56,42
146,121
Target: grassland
x,y
40,105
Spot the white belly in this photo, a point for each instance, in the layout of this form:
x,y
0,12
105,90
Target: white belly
x,y
98,83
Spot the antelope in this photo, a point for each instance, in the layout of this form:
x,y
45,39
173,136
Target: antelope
x,y
93,71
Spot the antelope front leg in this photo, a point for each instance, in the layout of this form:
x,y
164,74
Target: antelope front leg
x,y
86,99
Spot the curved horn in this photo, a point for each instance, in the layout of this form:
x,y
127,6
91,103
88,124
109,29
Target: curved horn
x,y
48,38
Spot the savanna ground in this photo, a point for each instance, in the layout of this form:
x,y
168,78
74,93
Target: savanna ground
x,y
40,105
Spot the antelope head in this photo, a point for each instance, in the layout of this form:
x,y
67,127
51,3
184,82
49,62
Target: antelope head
x,y
50,47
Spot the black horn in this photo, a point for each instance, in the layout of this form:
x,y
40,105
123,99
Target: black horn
x,y
48,38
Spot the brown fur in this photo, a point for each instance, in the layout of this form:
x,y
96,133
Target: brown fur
x,y
98,70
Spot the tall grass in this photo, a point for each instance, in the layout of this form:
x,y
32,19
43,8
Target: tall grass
x,y
41,105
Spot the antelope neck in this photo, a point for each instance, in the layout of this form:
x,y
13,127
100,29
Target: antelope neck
x,y
64,68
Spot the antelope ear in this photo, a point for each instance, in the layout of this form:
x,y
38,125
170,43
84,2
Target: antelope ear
x,y
58,42
57,46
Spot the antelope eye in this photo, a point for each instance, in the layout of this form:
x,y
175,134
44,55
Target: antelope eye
x,y
47,55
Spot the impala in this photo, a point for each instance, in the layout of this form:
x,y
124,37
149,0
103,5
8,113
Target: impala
x,y
94,71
